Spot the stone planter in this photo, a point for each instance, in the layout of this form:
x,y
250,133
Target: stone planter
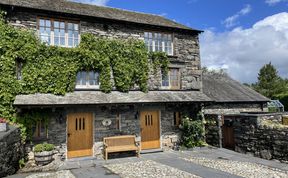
x,y
43,158
3,127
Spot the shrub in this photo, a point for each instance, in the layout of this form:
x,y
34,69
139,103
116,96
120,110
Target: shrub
x,y
193,133
43,147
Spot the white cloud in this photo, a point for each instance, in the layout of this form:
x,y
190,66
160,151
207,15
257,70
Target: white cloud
x,y
94,2
163,14
273,2
232,20
242,52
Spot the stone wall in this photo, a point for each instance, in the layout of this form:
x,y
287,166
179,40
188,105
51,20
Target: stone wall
x,y
129,117
186,47
254,135
232,108
11,151
212,133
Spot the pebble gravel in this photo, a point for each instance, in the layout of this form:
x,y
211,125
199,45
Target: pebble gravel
x,y
243,169
147,168
58,174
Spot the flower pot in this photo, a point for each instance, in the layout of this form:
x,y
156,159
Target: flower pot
x,y
3,127
43,158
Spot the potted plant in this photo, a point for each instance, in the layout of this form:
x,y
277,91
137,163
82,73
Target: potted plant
x,y
43,153
3,125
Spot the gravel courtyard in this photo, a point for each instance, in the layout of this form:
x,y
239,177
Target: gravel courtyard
x,y
201,162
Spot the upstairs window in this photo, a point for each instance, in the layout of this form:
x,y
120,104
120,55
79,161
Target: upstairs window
x,y
58,32
160,42
87,80
171,80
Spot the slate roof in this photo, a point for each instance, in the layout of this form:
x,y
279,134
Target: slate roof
x,y
115,97
222,88
64,6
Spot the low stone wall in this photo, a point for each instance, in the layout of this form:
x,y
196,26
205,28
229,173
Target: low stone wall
x,y
11,151
268,140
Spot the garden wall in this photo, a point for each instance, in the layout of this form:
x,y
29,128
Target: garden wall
x,y
262,135
11,151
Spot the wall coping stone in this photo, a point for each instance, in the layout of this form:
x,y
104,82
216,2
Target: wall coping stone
x,y
11,129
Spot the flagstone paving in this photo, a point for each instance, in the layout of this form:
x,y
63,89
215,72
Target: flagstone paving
x,y
204,162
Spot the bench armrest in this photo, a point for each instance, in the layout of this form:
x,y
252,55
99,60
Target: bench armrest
x,y
138,143
105,145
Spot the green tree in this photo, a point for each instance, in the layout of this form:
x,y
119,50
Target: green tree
x,y
269,82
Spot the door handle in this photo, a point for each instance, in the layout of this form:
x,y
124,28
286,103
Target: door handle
x,y
68,134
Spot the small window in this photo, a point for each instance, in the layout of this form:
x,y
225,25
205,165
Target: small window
x,y
159,42
171,80
177,119
19,66
87,80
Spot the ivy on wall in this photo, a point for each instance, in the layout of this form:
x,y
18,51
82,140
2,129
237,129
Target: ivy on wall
x,y
48,69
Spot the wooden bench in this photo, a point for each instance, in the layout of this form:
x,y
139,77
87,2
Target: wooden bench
x,y
119,144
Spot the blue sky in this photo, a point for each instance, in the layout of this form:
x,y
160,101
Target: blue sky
x,y
257,30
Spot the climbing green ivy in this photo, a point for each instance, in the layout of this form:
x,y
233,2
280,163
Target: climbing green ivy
x,y
159,61
50,69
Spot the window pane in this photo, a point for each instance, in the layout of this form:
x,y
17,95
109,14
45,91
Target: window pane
x,y
76,34
76,42
48,23
165,79
62,25
76,27
62,41
62,32
78,80
70,42
56,24
56,41
70,26
174,78
42,22
83,78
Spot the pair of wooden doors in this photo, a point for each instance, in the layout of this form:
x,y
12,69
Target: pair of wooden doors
x,y
80,135
150,130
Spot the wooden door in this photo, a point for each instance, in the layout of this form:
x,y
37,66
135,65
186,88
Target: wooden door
x,y
80,135
150,130
228,135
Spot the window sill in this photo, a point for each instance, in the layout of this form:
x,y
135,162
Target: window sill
x,y
87,87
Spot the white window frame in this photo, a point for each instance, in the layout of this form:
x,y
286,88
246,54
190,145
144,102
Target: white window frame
x,y
163,42
52,33
88,86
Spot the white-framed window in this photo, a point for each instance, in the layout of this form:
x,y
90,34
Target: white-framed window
x,y
162,42
171,80
59,32
87,80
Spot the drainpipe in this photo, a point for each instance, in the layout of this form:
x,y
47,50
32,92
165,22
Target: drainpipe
x,y
220,130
